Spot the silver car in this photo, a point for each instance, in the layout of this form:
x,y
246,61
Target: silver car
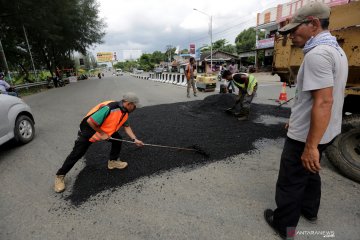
x,y
16,120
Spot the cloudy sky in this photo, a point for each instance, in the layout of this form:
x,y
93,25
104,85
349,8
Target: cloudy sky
x,y
150,25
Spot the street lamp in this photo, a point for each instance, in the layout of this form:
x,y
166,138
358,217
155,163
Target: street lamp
x,y
210,33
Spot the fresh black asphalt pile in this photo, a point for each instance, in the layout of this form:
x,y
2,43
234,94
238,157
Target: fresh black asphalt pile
x,y
201,123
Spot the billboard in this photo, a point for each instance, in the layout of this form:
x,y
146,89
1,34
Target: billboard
x,y
104,56
265,43
192,48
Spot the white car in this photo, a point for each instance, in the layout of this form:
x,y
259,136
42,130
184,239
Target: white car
x,y
16,120
119,72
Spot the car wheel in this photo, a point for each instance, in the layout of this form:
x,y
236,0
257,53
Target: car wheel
x,y
24,129
344,153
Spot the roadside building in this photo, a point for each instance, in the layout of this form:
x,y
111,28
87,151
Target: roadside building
x,y
267,25
246,59
270,20
219,58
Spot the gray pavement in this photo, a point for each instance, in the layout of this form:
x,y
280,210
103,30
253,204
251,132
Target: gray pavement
x,y
221,200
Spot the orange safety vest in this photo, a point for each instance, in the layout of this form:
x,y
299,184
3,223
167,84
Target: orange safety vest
x,y
188,73
112,122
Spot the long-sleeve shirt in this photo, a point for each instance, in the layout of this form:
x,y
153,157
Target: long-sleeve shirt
x,y
4,86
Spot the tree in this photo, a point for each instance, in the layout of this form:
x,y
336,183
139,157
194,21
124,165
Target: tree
x,y
224,45
184,51
145,62
127,66
54,29
170,52
158,57
245,41
221,44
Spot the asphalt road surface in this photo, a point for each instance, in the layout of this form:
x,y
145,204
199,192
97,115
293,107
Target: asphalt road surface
x,y
163,194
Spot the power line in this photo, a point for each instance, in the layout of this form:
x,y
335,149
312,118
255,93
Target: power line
x,y
232,28
227,31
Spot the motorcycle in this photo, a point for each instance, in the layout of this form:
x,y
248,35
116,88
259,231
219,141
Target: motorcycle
x,y
12,91
219,76
61,82
58,82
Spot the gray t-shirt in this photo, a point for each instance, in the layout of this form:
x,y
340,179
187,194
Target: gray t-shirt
x,y
323,66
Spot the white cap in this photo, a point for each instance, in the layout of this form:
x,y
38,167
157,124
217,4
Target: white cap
x,y
131,97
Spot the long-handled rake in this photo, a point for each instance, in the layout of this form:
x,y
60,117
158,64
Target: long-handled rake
x,y
193,148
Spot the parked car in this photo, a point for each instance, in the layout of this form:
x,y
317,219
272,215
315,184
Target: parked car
x,y
16,120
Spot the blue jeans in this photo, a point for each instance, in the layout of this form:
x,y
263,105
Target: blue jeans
x,y
11,93
231,85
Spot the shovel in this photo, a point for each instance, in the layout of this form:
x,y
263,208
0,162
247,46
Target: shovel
x,y
193,148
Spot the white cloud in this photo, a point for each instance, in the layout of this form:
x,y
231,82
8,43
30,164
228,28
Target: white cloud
x,y
168,29
150,25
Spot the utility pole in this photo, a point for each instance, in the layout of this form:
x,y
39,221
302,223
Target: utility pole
x,y
168,49
3,59
210,33
31,58
211,43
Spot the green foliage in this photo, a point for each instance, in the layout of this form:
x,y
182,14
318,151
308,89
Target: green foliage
x,y
18,78
184,51
158,57
222,45
245,41
43,75
146,62
169,53
54,30
127,66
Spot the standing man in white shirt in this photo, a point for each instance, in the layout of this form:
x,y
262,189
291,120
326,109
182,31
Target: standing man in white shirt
x,y
315,119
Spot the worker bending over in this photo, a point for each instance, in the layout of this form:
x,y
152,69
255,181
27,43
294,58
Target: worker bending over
x,y
247,85
102,122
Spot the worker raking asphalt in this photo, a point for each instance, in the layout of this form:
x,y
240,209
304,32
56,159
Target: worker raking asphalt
x,y
188,124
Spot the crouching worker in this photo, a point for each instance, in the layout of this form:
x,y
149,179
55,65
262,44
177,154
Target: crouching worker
x,y
247,85
102,122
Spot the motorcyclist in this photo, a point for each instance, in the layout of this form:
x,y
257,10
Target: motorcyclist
x,y
221,70
5,88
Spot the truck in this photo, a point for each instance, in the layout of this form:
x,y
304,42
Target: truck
x,y
344,153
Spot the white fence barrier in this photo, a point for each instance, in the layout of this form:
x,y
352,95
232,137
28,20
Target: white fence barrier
x,y
170,78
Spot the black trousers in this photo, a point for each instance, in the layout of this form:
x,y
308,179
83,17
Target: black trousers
x,y
81,146
298,191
